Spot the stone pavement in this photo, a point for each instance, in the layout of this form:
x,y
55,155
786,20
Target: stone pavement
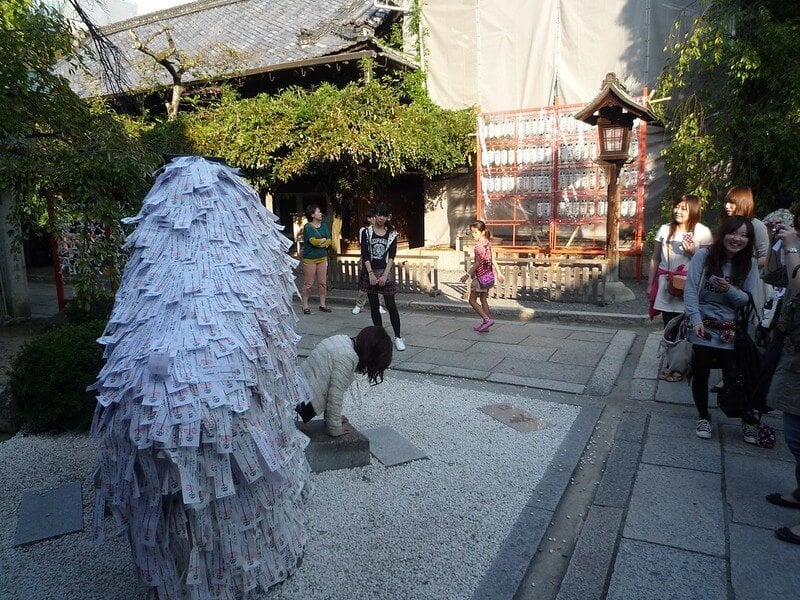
x,y
636,506
670,515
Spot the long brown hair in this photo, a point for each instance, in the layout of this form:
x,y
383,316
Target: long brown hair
x,y
742,261
741,197
693,204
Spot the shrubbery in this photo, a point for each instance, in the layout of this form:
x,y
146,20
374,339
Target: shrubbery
x,y
50,374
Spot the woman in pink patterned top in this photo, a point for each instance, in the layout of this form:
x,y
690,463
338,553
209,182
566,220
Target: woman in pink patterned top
x,y
482,274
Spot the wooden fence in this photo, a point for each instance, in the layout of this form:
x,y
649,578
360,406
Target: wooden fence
x,y
412,273
556,279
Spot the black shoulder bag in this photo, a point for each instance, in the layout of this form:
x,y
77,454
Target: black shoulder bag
x,y
737,398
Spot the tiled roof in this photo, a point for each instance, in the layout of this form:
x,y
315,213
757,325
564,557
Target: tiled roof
x,y
238,35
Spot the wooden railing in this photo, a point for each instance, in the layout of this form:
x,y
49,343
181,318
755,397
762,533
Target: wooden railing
x,y
412,273
556,279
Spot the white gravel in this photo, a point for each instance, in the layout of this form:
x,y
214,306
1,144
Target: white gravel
x,y
427,529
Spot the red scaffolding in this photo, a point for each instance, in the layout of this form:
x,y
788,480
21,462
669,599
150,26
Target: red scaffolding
x,y
541,191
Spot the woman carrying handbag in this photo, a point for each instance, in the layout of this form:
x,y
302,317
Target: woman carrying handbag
x,y
482,274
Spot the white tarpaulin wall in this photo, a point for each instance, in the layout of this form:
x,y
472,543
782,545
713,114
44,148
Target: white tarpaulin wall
x,y
511,55
516,54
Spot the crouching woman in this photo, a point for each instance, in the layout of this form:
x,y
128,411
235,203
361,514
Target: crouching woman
x,y
331,368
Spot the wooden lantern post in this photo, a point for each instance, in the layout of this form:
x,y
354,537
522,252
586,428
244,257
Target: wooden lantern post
x,y
613,111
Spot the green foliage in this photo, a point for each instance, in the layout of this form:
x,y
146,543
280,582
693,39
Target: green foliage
x,y
50,374
94,164
53,143
734,117
97,308
353,138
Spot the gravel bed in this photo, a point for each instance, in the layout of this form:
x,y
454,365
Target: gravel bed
x,y
427,529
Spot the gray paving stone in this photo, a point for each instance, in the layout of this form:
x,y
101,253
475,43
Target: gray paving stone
x,y
748,479
675,392
608,369
642,389
549,331
326,453
591,560
413,367
652,572
442,343
459,372
391,448
463,360
592,336
536,382
512,350
615,486
690,452
508,568
557,476
543,370
661,495
673,427
730,431
649,360
762,566
508,332
631,427
49,513
406,355
578,355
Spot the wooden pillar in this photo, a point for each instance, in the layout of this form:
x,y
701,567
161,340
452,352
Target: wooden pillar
x,y
612,222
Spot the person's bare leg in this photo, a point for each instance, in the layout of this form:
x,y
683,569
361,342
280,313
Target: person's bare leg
x,y
473,301
485,303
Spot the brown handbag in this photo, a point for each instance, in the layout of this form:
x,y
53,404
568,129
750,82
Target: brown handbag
x,y
675,283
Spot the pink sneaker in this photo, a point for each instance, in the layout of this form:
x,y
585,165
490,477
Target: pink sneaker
x,y
479,325
485,326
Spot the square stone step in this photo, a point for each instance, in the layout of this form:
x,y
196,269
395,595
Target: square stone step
x,y
326,453
49,513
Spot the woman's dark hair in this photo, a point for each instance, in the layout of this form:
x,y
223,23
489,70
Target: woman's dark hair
x,y
382,210
310,210
742,261
741,197
481,226
374,348
693,204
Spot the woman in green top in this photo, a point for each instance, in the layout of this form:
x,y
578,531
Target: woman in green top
x,y
316,240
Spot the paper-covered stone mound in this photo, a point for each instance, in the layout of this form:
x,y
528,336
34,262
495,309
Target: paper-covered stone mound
x,y
200,462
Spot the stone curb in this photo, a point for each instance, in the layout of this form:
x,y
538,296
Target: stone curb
x,y
519,313
504,576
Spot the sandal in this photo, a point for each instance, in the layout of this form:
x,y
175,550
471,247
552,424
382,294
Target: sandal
x,y
306,311
674,376
714,389
663,375
325,309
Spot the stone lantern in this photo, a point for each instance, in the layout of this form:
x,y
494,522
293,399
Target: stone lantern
x,y
614,111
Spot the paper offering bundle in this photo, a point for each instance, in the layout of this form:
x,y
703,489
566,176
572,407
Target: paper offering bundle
x,y
200,462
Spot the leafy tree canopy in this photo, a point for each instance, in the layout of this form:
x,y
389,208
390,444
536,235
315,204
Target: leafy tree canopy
x,y
53,142
734,115
354,138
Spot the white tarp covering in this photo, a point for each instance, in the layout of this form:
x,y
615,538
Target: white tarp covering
x,y
517,54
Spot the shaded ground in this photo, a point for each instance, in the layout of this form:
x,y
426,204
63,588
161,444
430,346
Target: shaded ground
x,y
12,337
